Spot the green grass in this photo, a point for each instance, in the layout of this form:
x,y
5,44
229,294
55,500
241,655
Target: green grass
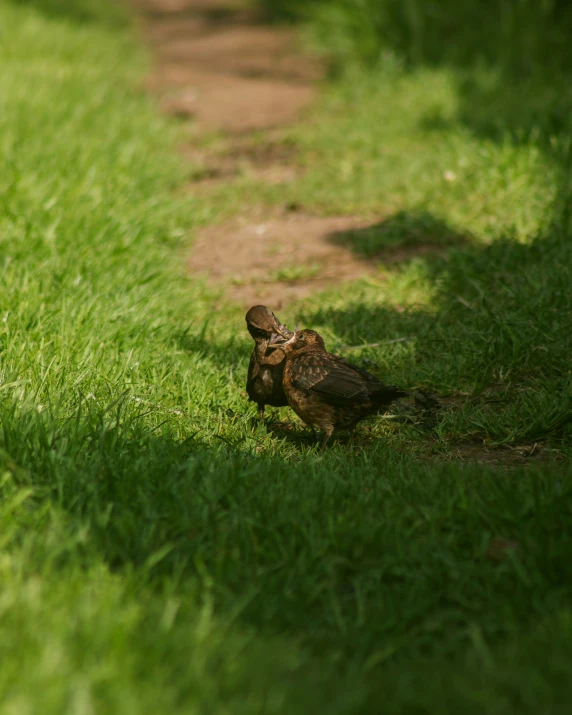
x,y
162,552
522,36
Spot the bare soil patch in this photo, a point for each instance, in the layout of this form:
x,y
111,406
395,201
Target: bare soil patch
x,y
216,63
235,104
284,257
271,162
499,456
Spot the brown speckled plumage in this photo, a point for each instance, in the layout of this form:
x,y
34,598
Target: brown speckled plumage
x,y
266,367
326,391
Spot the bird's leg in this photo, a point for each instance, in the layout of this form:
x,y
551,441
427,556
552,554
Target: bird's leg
x,y
316,434
261,411
327,434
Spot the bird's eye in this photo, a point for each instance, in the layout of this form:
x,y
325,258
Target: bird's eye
x,y
302,339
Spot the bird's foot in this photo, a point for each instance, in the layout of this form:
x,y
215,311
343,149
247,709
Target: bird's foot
x,y
325,441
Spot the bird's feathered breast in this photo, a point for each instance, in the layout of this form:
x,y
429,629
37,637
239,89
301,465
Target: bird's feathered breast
x,y
264,382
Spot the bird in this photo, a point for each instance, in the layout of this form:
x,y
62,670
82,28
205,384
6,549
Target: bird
x,y
326,391
266,367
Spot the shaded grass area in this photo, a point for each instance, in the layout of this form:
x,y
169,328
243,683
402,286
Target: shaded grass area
x,y
162,551
517,36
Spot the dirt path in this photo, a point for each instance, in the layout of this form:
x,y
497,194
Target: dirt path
x,y
218,65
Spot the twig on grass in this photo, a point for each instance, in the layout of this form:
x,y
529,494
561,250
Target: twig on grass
x,y
376,345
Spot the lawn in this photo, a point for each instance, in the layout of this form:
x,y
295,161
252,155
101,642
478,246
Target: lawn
x,y
160,551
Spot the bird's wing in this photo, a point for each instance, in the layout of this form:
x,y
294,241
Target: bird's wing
x,y
336,382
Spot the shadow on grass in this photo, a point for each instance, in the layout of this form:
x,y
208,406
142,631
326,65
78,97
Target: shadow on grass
x,y
299,548
404,235
510,61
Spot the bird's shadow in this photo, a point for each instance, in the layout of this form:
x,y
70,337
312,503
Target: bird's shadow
x,y
291,432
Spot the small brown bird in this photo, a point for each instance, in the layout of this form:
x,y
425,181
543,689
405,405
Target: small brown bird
x,y
264,381
327,392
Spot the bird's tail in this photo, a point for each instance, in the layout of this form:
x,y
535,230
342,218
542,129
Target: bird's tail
x,y
386,394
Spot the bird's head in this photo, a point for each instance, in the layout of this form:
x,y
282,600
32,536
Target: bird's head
x,y
304,341
262,324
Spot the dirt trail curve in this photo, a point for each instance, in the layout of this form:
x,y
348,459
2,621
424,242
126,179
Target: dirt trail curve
x,y
216,63
219,65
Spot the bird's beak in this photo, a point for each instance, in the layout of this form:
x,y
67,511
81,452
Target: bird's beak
x,y
280,335
276,339
285,340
